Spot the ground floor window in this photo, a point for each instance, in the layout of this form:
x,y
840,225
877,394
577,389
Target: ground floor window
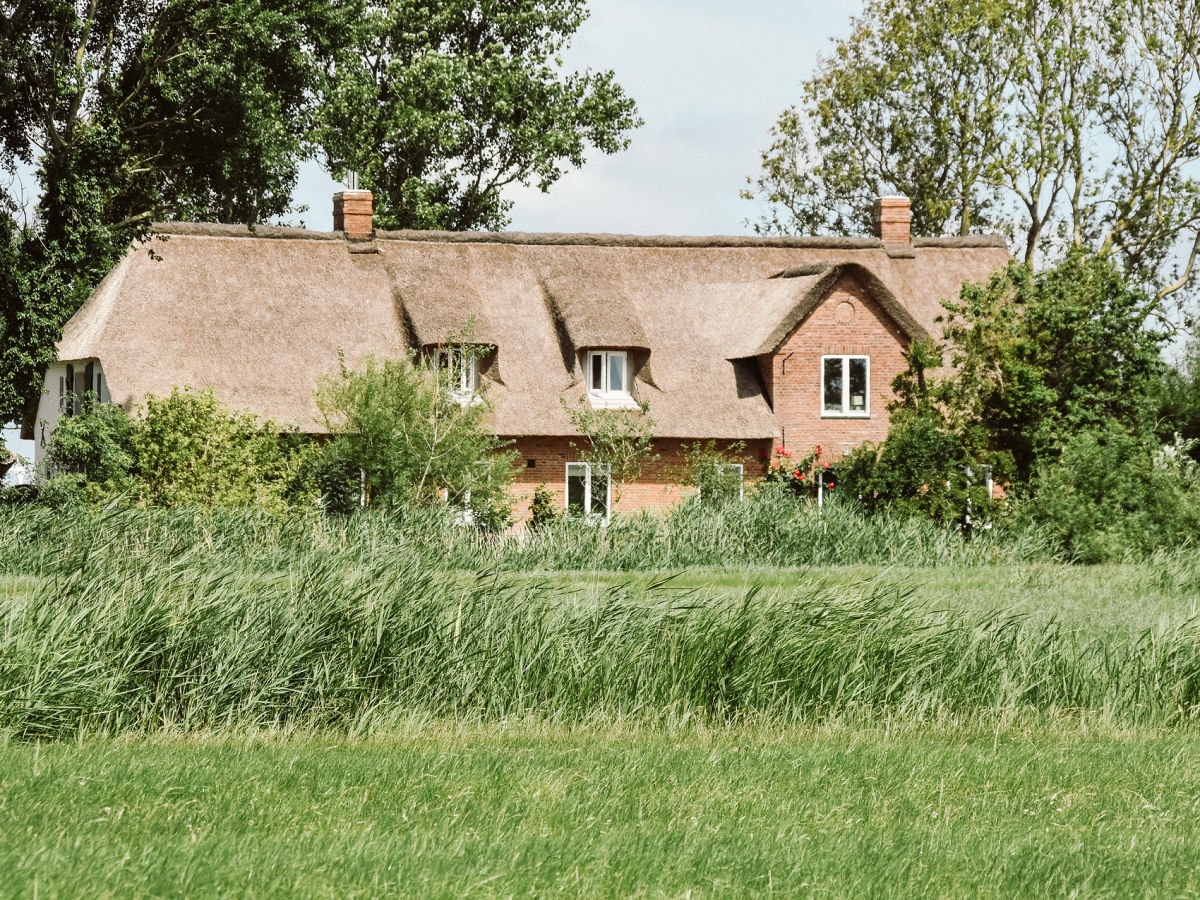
x,y
845,385
589,490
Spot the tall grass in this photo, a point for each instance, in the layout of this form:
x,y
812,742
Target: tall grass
x,y
773,530
140,622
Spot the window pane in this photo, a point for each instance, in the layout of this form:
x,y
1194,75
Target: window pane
x,y
470,373
858,384
600,493
576,487
833,385
616,372
597,383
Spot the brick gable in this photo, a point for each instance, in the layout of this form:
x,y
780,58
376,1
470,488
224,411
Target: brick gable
x,y
847,322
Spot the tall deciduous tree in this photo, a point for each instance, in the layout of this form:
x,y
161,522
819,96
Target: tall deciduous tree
x,y
1062,122
447,102
129,111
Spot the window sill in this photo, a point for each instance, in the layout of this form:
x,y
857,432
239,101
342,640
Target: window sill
x,y
612,401
825,414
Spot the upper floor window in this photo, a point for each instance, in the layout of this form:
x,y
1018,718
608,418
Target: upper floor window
x,y
608,378
845,385
458,365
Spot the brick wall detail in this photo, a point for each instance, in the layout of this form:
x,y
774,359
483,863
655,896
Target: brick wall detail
x,y
658,487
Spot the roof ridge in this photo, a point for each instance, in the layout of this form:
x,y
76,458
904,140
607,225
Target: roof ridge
x,y
584,239
219,229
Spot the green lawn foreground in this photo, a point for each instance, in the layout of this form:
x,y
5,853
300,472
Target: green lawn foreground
x,y
507,809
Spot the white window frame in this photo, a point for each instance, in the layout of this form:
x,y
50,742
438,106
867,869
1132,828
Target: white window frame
x,y
459,364
845,411
601,392
586,471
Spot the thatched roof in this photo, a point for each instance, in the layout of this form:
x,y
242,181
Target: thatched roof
x,y
259,315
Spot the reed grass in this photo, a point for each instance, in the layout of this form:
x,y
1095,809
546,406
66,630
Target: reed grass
x,y
142,622
772,530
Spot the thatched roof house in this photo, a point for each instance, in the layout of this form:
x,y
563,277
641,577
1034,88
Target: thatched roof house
x,y
701,324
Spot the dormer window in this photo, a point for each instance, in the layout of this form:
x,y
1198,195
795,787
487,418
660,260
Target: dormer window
x,y
458,365
608,379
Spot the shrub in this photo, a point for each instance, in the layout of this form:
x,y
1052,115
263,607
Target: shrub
x,y
192,450
1111,495
414,441
800,475
714,473
918,470
187,449
97,445
542,508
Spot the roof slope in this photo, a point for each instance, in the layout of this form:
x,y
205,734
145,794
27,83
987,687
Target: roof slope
x,y
259,316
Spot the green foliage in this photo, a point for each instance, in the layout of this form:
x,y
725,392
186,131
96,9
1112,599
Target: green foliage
x,y
133,112
542,508
713,472
134,621
1177,400
1039,358
157,110
96,445
193,451
919,470
186,449
988,115
620,439
414,441
443,104
1111,496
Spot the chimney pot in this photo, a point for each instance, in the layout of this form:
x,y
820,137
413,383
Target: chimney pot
x,y
353,212
893,220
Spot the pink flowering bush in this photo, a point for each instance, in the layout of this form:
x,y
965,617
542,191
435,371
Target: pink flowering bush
x,y
800,474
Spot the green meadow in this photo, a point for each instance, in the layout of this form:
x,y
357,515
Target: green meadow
x,y
202,704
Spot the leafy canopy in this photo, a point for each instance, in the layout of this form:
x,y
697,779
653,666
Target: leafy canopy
x,y
1040,357
129,111
1059,122
444,103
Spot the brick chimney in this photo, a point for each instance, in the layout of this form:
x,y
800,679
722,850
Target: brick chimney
x,y
352,213
893,218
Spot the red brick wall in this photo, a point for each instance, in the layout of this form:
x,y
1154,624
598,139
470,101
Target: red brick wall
x,y
658,487
848,322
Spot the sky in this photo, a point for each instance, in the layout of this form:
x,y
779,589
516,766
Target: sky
x,y
710,77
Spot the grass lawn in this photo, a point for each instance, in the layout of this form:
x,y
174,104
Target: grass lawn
x,y
1064,802
438,810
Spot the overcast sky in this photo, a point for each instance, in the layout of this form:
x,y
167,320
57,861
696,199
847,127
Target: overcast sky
x,y
709,77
